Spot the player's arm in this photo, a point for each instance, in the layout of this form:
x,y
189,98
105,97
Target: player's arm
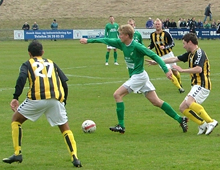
x,y
106,31
64,80
170,40
151,46
108,41
20,83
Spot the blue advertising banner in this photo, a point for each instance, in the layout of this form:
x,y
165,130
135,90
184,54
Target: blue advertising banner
x,y
48,34
178,33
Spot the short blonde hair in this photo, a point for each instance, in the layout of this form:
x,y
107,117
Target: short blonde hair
x,y
127,29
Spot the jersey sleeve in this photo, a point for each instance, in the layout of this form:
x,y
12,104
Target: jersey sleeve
x,y
108,41
183,57
169,40
154,56
20,83
151,46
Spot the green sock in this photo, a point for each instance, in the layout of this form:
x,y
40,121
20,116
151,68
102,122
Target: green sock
x,y
120,113
171,112
106,56
115,56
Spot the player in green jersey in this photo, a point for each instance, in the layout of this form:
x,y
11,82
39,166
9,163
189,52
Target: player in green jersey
x,y
137,35
111,31
134,53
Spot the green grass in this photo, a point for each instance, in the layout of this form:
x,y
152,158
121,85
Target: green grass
x,y
152,140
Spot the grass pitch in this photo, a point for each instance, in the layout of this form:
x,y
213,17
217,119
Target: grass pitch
x,y
152,140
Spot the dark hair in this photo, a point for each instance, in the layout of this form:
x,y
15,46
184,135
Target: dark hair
x,y
35,48
190,37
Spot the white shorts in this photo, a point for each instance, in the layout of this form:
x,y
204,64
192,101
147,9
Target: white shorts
x,y
198,93
53,109
169,66
110,47
139,83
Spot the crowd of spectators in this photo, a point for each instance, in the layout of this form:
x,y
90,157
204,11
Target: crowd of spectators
x,y
183,23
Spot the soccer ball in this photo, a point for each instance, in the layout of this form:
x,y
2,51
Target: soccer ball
x,y
88,126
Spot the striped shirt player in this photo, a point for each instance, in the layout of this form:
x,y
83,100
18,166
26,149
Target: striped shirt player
x,y
111,31
47,95
199,70
163,43
139,80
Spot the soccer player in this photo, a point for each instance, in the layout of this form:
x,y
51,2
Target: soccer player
x,y
163,42
47,95
137,36
134,53
111,31
199,70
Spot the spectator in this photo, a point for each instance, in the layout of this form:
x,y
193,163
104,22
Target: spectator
x,y
213,24
35,26
192,25
54,26
179,22
26,26
173,24
199,24
150,23
183,23
218,27
208,13
207,25
167,23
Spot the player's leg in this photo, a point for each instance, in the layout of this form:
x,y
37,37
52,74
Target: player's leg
x,y
156,101
56,115
17,120
71,143
115,57
118,95
107,55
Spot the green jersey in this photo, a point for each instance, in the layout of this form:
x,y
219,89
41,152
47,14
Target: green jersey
x,y
111,30
133,54
137,37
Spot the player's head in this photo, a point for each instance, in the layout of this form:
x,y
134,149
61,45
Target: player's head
x,y
190,40
158,24
126,30
111,19
35,48
131,22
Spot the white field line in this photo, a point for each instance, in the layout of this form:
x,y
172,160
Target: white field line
x,y
183,77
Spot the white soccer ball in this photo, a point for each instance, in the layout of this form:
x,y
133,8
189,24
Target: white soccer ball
x,y
88,126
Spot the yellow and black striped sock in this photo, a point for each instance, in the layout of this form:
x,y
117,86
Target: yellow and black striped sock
x,y
201,112
175,81
71,143
16,137
177,75
193,116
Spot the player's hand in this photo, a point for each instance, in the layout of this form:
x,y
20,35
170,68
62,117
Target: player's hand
x,y
162,47
150,62
14,104
83,40
169,74
178,68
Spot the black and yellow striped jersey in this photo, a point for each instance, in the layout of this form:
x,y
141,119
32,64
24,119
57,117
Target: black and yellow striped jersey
x,y
161,39
45,80
198,58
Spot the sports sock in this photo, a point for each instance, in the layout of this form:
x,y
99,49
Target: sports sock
x,y
200,111
115,56
120,113
171,112
16,137
70,142
193,116
178,77
175,81
107,56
